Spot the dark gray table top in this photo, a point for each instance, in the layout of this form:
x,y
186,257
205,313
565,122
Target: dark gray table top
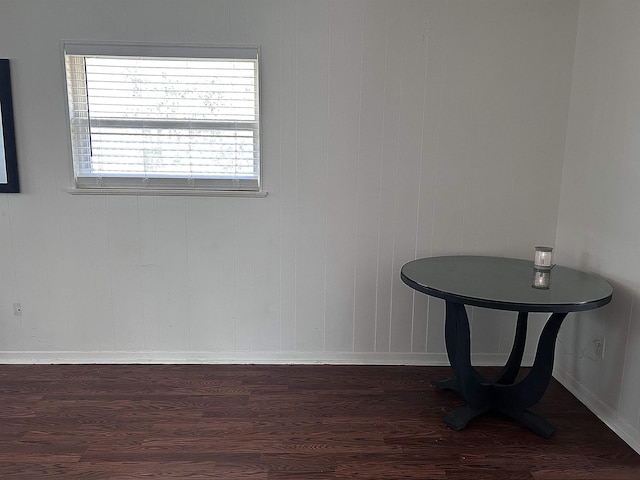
x,y
505,284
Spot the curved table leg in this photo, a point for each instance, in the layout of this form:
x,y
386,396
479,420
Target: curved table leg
x,y
467,382
510,371
514,400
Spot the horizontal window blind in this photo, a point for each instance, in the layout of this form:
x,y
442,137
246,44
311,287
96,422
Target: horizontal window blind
x,y
167,118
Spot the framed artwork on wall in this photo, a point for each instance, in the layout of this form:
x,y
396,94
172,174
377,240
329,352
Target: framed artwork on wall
x,y
8,158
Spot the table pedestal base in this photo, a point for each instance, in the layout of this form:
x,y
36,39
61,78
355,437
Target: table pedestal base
x,y
505,395
462,415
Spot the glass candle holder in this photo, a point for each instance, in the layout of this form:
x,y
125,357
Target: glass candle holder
x,y
543,258
541,279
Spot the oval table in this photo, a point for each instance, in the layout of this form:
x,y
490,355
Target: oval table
x,y
502,284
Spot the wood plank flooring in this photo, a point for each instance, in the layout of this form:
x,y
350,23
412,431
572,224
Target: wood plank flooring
x,y
281,422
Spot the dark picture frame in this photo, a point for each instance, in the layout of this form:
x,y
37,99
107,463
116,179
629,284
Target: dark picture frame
x,y
8,157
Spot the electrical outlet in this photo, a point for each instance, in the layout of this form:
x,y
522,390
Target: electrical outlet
x,y
17,309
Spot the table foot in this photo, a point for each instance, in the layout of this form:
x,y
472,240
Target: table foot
x,y
531,420
461,416
448,384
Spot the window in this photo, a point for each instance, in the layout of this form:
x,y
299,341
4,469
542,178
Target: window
x,y
164,118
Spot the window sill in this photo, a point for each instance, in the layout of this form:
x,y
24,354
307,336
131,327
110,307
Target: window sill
x,y
160,192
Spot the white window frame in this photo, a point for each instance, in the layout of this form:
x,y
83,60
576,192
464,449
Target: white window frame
x,y
85,176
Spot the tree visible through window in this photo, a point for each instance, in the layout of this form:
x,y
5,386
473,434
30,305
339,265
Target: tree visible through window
x,y
151,117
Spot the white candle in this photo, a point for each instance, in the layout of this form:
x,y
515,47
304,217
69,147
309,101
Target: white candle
x,y
543,257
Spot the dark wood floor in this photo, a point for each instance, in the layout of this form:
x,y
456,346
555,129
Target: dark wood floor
x,y
277,422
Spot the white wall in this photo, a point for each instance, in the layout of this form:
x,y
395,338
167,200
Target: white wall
x,y
598,225
392,130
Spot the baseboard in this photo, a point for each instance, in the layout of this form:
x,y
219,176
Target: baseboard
x,y
610,417
381,358
238,357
